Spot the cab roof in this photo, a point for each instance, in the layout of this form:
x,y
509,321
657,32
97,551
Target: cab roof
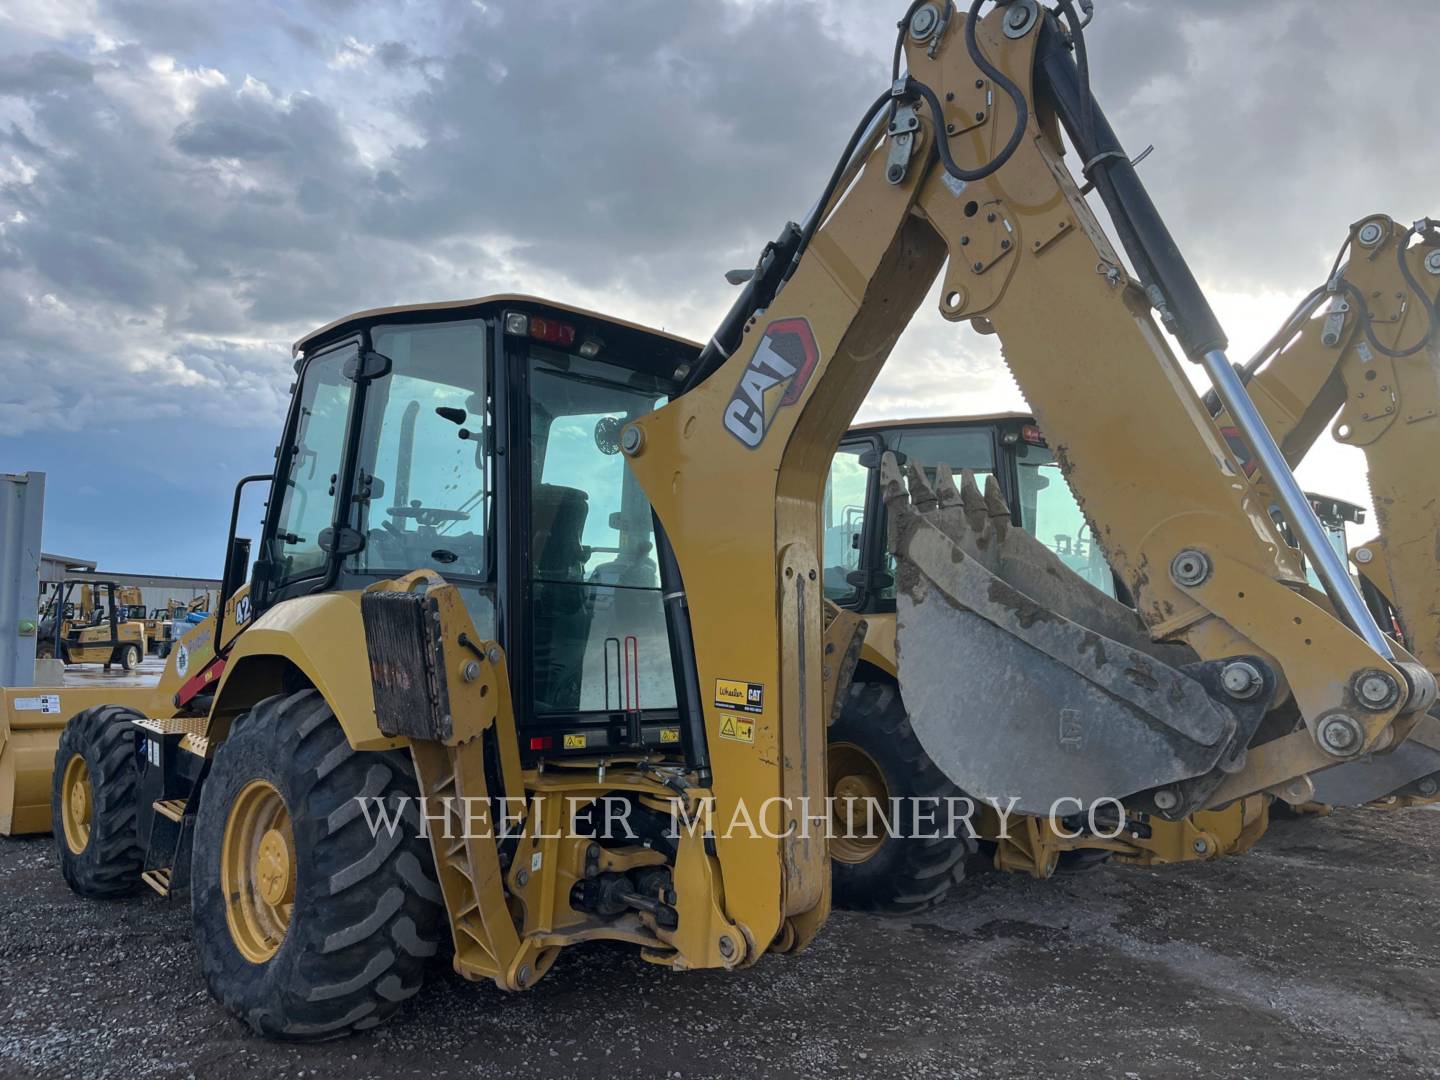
x,y
937,421
482,305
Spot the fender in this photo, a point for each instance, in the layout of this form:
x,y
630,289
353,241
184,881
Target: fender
x,y
322,638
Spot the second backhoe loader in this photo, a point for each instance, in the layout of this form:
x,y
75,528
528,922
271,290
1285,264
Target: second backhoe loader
x,y
1360,357
873,756
535,651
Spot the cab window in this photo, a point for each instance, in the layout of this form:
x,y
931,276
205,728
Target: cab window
x,y
843,521
307,502
423,489
598,630
1049,512
959,448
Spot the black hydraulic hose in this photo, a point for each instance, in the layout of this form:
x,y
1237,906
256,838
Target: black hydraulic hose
x,y
1082,64
902,27
999,78
1432,306
1142,230
833,183
761,289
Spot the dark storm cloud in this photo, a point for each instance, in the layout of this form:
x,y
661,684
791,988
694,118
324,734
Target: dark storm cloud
x,y
213,181
612,136
1276,125
41,73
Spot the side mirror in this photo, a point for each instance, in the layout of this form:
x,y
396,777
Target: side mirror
x,y
342,541
870,459
238,570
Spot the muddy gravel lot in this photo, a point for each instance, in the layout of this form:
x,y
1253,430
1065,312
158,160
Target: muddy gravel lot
x,y
1316,955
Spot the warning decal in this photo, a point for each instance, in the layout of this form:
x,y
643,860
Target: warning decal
x,y
46,703
739,695
737,728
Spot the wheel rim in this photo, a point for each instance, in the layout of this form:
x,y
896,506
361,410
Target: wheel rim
x,y
257,871
855,778
132,655
77,804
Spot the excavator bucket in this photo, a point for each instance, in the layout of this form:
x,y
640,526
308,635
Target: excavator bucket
x,y
1027,684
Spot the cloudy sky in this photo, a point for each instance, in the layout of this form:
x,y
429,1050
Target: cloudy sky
x,y
184,190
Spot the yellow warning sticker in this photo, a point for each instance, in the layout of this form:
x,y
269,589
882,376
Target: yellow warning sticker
x,y
738,729
739,695
669,734
575,742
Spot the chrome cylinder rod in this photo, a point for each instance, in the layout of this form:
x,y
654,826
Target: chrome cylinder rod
x,y
1294,504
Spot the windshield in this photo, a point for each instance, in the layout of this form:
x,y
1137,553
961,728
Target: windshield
x,y
961,448
423,485
843,510
1049,512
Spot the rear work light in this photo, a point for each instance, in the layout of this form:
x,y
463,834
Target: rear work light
x,y
552,331
1032,435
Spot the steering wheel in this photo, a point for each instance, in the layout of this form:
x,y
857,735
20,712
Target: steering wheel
x,y
427,515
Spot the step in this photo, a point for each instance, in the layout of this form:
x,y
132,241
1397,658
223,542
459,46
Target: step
x,y
158,879
174,809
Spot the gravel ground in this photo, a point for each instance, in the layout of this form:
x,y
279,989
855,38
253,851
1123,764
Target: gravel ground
x,y
1316,955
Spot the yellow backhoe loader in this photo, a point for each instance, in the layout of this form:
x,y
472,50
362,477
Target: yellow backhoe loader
x,y
873,754
32,719
1360,357
535,651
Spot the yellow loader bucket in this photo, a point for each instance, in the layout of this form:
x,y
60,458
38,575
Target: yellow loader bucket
x,y
28,738
31,720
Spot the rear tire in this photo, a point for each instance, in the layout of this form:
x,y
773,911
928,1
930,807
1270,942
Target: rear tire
x,y
94,815
904,874
364,912
130,657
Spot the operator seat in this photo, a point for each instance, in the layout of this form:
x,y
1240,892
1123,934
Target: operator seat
x,y
560,602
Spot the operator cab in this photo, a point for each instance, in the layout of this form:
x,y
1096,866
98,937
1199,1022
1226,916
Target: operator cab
x,y
860,569
481,439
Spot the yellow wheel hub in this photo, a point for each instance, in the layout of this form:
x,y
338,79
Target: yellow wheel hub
x,y
257,871
77,804
861,804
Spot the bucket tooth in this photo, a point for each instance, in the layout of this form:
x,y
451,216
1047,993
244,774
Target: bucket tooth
x,y
922,496
972,505
945,489
893,488
996,507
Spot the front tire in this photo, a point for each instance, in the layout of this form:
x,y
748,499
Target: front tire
x,y
873,753
309,926
93,803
